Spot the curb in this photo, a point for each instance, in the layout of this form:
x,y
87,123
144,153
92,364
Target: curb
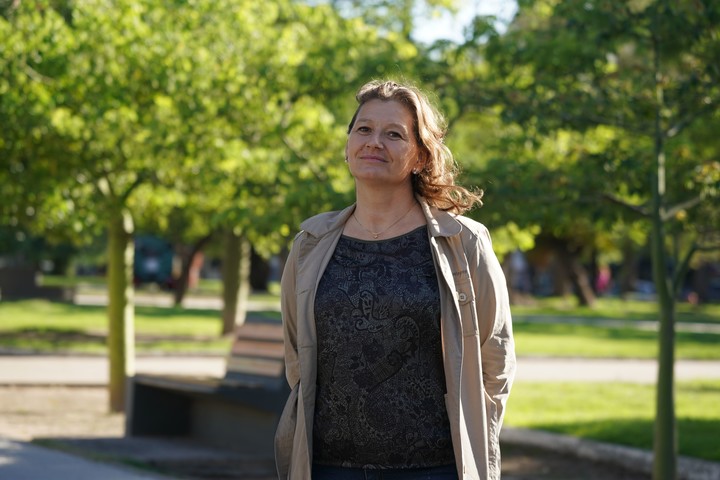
x,y
629,458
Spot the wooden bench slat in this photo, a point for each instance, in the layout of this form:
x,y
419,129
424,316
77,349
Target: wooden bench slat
x,y
254,366
256,348
260,331
176,382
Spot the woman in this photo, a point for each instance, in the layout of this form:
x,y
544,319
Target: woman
x,y
398,338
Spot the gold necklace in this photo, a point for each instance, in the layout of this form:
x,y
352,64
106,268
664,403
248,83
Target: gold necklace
x,y
375,235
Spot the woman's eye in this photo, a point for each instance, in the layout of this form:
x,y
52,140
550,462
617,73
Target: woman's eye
x,y
394,135
363,129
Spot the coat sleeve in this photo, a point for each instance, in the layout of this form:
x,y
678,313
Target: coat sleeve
x,y
497,346
288,307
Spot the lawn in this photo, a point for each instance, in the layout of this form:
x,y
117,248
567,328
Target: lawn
x,y
620,413
573,340
570,338
617,412
206,287
613,308
37,325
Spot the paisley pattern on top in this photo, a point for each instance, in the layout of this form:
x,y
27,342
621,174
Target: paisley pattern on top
x,y
380,381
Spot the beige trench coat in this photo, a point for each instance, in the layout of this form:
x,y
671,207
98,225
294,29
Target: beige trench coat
x,y
478,347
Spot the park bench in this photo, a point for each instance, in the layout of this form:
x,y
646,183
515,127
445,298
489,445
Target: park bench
x,y
238,411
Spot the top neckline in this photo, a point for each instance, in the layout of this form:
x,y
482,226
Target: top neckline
x,y
411,232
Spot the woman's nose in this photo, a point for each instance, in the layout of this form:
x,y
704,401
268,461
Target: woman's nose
x,y
374,141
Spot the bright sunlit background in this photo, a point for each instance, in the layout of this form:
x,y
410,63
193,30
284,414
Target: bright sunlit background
x,y
450,27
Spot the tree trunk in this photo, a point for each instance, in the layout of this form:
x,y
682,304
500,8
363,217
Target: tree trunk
x,y
665,440
628,270
121,335
236,281
259,272
187,262
576,273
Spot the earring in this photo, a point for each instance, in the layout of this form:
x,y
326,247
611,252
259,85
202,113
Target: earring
x,y
415,171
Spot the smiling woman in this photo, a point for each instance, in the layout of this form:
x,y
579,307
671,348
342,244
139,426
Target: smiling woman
x,y
398,341
381,146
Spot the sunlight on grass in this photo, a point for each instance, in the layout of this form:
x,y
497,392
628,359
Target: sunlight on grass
x,y
619,413
571,340
616,308
23,322
39,325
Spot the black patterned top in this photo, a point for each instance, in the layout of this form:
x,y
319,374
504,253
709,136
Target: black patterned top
x,y
380,379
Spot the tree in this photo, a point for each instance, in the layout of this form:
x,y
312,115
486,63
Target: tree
x,y
289,164
137,109
126,102
647,70
515,167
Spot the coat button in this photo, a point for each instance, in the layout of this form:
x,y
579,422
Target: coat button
x,y
462,297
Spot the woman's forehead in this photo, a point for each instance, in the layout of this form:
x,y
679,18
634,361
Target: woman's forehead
x,y
385,110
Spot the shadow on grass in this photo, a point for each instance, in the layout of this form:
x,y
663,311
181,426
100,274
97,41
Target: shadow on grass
x,y
40,307
58,338
180,312
53,340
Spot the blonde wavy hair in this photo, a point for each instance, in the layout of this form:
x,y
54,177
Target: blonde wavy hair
x,y
436,181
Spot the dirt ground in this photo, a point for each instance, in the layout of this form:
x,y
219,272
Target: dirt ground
x,y
78,419
27,413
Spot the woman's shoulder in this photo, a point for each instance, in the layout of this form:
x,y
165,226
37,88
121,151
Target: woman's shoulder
x,y
472,226
325,222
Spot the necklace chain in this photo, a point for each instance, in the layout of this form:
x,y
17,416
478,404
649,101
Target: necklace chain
x,y
375,235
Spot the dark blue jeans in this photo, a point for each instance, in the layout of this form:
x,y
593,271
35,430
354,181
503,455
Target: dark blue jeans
x,y
445,472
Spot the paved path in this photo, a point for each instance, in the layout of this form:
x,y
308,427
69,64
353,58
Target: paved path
x,y
25,461
610,370
93,370
648,325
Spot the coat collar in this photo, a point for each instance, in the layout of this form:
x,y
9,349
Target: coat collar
x,y
440,223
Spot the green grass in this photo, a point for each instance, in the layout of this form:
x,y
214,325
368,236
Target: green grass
x,y
38,325
572,340
205,287
616,309
611,308
620,413
577,340
88,281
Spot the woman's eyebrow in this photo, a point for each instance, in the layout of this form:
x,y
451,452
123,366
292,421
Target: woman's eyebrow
x,y
392,124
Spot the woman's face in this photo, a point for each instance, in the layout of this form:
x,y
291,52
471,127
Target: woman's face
x,y
381,147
